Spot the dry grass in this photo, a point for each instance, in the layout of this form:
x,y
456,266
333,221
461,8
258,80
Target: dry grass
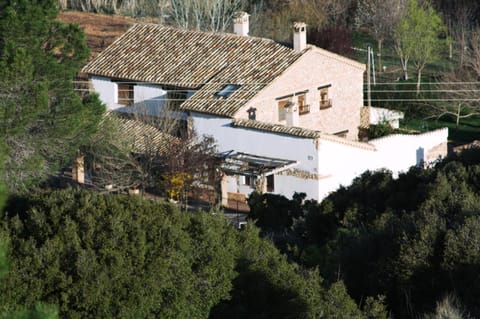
x,y
101,29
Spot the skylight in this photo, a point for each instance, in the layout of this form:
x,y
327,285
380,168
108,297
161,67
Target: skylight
x,y
227,90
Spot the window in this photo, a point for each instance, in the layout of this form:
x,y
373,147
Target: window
x,y
176,96
303,108
281,109
249,181
325,102
125,93
270,183
227,90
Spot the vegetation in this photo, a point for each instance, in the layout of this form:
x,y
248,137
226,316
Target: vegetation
x,y
411,239
43,120
141,152
111,256
418,37
406,246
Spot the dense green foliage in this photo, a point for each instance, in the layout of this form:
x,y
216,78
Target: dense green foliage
x,y
111,256
115,257
43,120
275,211
379,130
413,239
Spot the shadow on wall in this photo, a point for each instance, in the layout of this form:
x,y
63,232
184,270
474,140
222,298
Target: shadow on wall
x,y
420,156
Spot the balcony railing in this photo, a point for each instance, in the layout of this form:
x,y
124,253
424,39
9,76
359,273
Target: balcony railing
x,y
325,104
304,109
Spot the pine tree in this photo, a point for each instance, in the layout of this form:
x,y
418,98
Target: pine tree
x,y
43,120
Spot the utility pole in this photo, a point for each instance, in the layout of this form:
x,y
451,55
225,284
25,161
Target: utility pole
x,y
370,58
373,67
369,97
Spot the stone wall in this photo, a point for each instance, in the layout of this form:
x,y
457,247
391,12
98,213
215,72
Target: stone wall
x,y
316,68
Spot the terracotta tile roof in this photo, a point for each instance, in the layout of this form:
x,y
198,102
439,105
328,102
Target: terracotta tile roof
x,y
276,128
300,132
143,136
194,59
338,57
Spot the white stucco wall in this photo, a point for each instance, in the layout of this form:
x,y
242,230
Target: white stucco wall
x,y
106,89
380,115
302,150
329,161
257,142
398,152
149,95
342,162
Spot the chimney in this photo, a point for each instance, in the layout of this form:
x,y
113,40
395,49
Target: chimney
x,y
240,23
291,114
251,113
299,36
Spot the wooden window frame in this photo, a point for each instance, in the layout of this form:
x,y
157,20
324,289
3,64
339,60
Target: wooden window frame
x,y
325,102
125,93
249,180
270,181
282,115
303,107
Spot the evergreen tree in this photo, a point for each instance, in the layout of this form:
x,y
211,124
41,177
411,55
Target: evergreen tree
x,y
413,239
112,256
43,120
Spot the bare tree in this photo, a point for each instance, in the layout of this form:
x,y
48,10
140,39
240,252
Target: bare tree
x,y
129,7
158,153
336,11
110,158
462,25
460,19
459,88
273,19
472,59
381,17
459,93
208,15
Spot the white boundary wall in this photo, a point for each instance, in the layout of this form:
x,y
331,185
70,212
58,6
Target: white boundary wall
x,y
398,152
331,161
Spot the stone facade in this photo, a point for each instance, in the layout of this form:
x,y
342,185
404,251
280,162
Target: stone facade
x,y
436,152
316,72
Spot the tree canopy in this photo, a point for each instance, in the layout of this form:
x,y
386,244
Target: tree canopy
x,y
418,37
112,256
43,120
412,239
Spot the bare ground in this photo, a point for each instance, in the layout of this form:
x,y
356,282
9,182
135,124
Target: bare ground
x,y
101,29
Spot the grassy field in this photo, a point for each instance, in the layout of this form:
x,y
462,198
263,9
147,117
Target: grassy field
x,y
467,131
393,92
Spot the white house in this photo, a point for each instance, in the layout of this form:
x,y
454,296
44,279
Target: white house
x,y
286,120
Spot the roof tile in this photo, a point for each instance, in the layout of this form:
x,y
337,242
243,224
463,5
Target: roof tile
x,y
195,59
276,128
